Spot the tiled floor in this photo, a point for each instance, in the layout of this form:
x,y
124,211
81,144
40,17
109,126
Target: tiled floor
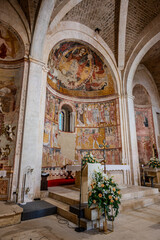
x,y
141,224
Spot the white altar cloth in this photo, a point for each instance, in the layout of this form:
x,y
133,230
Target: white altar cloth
x,y
108,167
3,173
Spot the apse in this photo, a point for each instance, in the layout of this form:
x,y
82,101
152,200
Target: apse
x,y
80,79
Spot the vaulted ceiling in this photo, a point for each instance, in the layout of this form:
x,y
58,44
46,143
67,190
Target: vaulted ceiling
x,y
105,15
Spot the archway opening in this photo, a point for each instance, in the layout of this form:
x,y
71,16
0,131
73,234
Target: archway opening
x,y
66,119
144,124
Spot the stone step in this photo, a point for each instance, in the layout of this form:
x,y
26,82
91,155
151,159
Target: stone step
x,y
68,200
133,197
71,196
135,192
63,210
126,205
37,209
10,214
132,204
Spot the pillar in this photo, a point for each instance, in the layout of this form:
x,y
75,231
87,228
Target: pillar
x,y
133,141
32,142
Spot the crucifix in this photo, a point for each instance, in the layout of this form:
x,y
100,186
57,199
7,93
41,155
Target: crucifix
x,y
104,146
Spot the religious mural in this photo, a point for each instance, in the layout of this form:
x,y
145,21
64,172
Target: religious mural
x,y
52,107
145,133
50,137
10,43
76,70
96,114
10,86
113,156
94,122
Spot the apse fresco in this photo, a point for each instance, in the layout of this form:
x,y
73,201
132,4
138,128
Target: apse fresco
x,y
76,70
94,122
145,133
10,44
113,156
96,114
52,157
50,137
52,107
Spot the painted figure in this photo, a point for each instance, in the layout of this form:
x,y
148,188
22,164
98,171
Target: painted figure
x,y
95,135
3,47
80,114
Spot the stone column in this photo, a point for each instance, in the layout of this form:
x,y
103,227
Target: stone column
x,y
31,156
20,128
126,157
133,142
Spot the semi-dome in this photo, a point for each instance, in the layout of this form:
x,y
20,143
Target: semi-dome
x,y
75,69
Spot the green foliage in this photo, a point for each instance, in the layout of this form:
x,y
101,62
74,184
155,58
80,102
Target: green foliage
x,y
104,193
88,158
154,163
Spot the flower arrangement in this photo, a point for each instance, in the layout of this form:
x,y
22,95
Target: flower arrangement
x,y
88,158
105,194
154,162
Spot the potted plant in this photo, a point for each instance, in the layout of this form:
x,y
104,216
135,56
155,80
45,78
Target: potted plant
x,y
154,162
88,158
105,194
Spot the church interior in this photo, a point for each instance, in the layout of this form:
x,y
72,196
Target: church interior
x,y
79,77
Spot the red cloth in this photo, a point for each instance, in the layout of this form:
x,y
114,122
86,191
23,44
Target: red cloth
x,y
58,182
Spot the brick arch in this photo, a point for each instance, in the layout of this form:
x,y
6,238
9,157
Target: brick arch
x,y
148,38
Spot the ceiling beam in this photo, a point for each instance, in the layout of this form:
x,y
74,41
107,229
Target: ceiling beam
x,y
122,33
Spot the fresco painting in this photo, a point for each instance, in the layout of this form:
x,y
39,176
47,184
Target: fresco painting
x,y
112,156
145,133
76,70
10,43
94,122
10,94
52,157
89,138
50,137
52,106
96,114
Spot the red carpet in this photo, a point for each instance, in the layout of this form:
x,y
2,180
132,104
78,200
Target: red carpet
x,y
62,181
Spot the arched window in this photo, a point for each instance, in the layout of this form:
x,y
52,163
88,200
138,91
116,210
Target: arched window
x,y
61,121
66,119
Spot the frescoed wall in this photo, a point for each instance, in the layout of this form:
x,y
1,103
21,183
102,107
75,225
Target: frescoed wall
x,y
51,149
145,133
11,75
11,47
77,70
94,122
144,124
10,89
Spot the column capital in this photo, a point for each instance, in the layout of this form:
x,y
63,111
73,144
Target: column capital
x,y
45,68
125,95
36,61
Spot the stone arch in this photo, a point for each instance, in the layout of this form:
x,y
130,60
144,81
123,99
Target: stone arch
x,y
143,77
146,40
20,24
76,31
67,103
141,95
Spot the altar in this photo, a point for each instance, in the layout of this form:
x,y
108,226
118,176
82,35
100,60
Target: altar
x,y
120,173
